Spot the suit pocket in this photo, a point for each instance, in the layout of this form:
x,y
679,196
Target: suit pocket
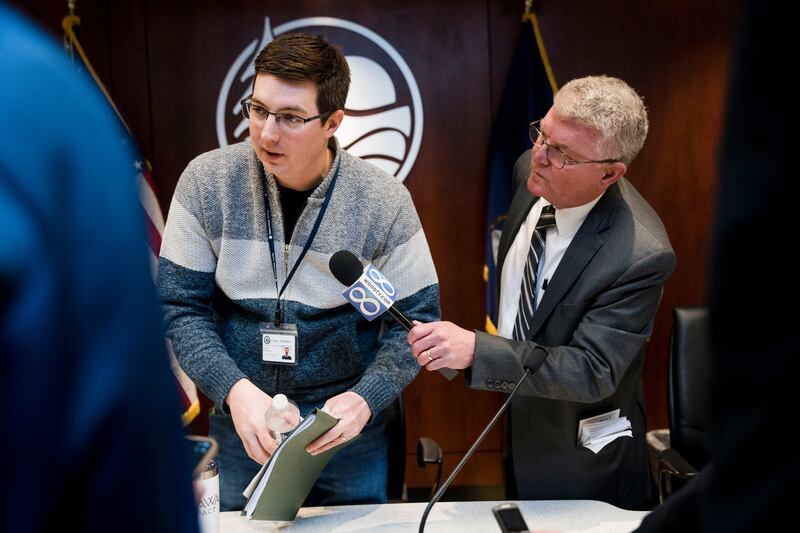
x,y
615,447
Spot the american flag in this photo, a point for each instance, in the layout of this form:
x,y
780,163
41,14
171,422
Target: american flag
x,y
154,219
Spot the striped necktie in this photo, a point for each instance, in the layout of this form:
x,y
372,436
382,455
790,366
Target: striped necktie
x,y
527,301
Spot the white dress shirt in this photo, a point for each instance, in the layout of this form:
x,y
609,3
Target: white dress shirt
x,y
557,240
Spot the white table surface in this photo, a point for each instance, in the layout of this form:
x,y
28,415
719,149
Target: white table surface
x,y
584,516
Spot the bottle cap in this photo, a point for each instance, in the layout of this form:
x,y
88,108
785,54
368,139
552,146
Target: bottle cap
x,y
280,402
211,469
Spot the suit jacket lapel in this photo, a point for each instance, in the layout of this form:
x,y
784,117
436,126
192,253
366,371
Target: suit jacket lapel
x,y
581,250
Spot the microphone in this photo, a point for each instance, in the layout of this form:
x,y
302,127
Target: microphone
x,y
346,268
370,292
463,461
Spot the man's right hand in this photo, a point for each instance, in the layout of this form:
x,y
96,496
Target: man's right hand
x,y
248,405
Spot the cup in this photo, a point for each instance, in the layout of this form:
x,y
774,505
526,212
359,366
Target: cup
x,y
208,507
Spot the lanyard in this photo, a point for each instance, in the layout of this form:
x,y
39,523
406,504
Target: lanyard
x,y
271,238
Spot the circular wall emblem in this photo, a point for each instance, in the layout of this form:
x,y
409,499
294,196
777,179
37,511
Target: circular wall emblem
x,y
383,123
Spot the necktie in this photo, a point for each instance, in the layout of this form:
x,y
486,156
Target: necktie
x,y
527,302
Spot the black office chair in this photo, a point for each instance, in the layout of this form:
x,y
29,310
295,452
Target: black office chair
x,y
428,452
688,401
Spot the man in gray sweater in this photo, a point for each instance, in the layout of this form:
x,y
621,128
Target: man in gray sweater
x,y
244,268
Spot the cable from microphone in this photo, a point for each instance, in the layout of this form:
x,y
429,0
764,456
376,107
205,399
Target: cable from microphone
x,y
463,461
370,292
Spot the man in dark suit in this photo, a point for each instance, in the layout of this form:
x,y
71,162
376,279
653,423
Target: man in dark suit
x,y
577,306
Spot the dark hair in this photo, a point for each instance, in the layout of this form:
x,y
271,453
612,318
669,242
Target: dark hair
x,y
303,57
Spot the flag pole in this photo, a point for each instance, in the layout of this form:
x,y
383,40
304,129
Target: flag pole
x,y
529,15
68,23
68,48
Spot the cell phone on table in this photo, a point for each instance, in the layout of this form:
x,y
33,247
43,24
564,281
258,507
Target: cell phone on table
x,y
510,518
203,450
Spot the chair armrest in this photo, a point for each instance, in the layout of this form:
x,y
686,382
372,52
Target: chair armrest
x,y
428,452
671,461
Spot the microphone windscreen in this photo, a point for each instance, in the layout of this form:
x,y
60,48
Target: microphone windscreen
x,y
345,267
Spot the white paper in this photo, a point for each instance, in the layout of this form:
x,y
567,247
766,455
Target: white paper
x,y
596,432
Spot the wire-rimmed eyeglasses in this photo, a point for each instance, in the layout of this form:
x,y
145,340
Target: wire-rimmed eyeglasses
x,y
287,122
554,154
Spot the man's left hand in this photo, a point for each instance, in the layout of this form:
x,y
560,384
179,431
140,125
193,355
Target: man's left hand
x,y
353,413
438,345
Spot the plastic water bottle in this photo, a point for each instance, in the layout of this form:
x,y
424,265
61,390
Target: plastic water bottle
x,y
282,417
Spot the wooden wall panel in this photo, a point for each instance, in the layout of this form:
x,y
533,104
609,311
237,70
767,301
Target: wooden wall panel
x,y
164,63
129,76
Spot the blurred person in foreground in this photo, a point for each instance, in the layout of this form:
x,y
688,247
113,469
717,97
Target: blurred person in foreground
x,y
750,483
93,438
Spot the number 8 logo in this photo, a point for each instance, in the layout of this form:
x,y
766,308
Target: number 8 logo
x,y
380,280
359,296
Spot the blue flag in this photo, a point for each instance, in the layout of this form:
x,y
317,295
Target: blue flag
x,y
528,95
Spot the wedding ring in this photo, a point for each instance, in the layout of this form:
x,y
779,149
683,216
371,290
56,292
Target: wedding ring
x,y
428,355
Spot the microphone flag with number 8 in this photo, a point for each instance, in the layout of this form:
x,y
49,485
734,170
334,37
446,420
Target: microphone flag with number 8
x,y
371,294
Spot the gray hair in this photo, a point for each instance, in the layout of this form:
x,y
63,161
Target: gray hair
x,y
610,107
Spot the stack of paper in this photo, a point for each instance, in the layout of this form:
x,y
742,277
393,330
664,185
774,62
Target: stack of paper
x,y
597,431
282,484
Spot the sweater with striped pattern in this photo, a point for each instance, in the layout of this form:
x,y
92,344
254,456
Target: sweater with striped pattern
x,y
217,287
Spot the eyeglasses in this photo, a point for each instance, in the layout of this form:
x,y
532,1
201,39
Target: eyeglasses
x,y
554,154
286,122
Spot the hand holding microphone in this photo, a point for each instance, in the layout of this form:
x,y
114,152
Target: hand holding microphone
x,y
442,345
371,293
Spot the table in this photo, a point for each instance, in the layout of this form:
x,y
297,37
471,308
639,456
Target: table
x,y
585,516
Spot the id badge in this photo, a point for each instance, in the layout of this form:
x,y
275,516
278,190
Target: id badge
x,y
279,344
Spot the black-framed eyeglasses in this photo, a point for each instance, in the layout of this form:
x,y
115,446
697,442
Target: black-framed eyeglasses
x,y
287,122
554,154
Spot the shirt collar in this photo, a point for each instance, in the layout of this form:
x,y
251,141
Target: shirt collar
x,y
569,219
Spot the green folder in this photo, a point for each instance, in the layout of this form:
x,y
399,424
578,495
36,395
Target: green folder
x,y
281,486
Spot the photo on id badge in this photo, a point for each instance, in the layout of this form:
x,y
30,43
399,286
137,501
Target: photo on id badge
x,y
279,344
